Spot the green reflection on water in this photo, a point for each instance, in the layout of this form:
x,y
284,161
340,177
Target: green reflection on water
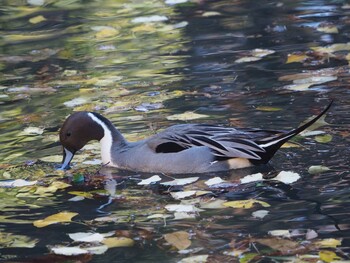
x,y
95,51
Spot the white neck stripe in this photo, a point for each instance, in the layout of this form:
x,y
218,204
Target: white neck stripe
x,y
106,141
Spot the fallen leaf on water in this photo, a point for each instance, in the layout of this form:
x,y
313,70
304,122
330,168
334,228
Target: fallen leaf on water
x,y
52,159
184,215
247,59
258,52
328,256
254,55
280,233
69,251
83,194
316,169
290,145
296,58
323,138
287,177
118,242
97,250
283,245
182,194
211,13
311,234
75,102
188,115
213,181
52,188
245,204
152,179
247,257
162,216
252,178
212,204
86,237
260,214
181,181
16,241
105,31
61,217
195,259
182,208
60,185
304,84
32,131
17,183
37,19
333,48
268,108
179,239
329,242
76,199
311,130
149,19
329,29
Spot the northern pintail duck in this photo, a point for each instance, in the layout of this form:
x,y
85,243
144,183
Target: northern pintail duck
x,y
183,148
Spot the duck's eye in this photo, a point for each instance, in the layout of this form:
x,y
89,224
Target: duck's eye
x,y
68,134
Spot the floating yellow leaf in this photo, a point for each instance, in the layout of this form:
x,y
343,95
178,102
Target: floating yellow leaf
x,y
52,188
268,108
290,145
83,194
179,239
296,58
245,204
328,256
60,185
329,242
323,138
106,33
37,19
328,29
118,242
333,48
54,219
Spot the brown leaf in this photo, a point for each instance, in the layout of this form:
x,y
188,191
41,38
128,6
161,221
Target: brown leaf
x,y
179,239
285,246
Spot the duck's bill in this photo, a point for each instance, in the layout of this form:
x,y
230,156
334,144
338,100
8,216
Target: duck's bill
x,y
67,157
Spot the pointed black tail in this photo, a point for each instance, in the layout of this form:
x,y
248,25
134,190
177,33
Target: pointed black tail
x,y
273,145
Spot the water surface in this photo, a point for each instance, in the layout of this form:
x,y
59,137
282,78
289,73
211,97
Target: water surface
x,y
265,64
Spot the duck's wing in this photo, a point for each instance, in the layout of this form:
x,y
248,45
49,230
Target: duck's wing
x,y
223,142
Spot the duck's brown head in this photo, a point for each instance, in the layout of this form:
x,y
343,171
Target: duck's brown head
x,y
78,129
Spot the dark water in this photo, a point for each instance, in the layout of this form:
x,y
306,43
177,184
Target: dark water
x,y
57,51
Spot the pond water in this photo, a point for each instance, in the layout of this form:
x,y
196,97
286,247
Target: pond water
x,y
147,65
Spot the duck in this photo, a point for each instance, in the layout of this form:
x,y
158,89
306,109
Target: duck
x,y
179,149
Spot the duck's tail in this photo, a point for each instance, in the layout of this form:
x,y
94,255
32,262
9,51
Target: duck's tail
x,y
274,144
